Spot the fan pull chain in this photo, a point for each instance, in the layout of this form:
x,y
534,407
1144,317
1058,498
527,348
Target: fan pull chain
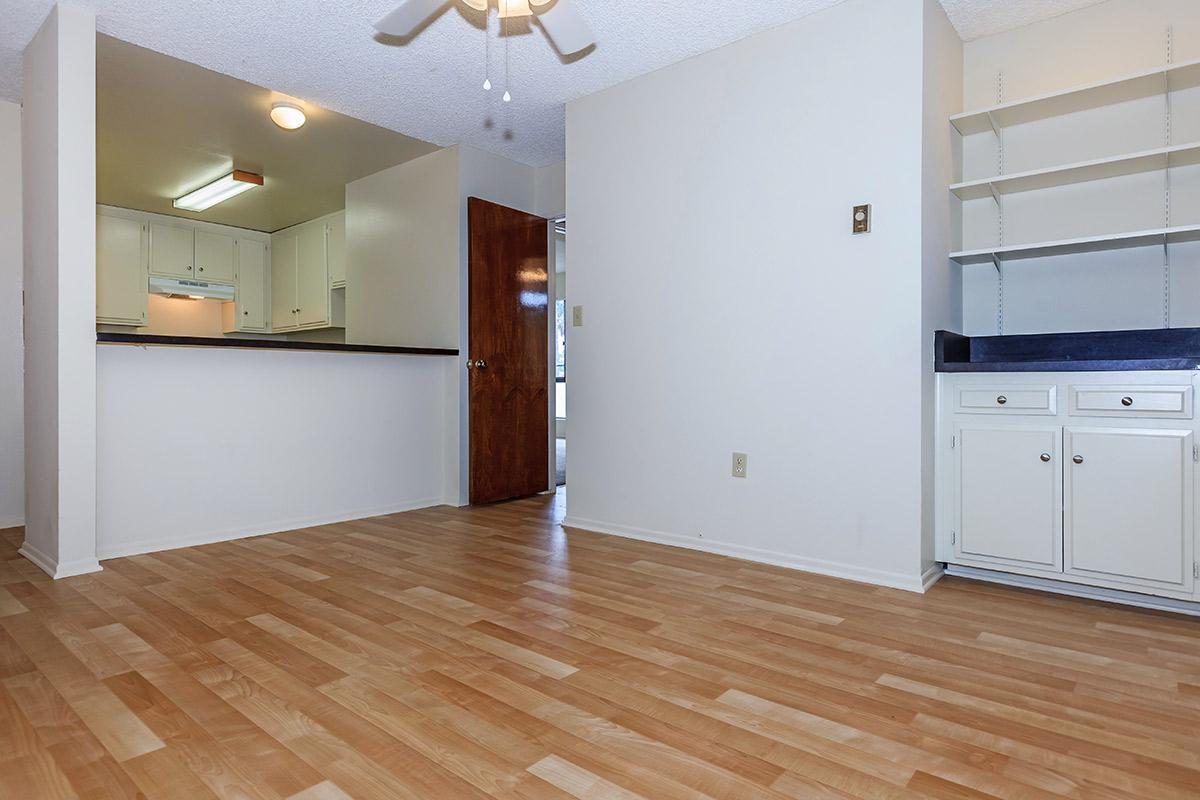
x,y
507,83
487,48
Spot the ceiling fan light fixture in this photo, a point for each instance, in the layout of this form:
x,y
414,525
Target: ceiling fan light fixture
x,y
288,116
478,5
515,8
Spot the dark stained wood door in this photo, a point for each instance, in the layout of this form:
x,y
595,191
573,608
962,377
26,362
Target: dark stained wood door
x,y
509,352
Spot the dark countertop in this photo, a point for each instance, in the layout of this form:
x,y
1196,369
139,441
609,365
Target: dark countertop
x,y
143,339
1094,351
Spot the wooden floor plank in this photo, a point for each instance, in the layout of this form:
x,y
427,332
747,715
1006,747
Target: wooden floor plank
x,y
452,654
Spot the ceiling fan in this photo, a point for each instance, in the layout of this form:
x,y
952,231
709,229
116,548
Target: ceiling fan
x,y
560,19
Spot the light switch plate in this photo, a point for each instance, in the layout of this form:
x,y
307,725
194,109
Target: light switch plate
x,y
577,316
861,219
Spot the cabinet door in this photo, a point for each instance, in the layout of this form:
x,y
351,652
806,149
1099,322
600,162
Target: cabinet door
x,y
214,257
121,271
1128,509
171,250
283,283
337,251
1010,496
252,285
312,277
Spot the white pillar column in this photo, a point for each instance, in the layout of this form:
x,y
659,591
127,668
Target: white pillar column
x,y
59,190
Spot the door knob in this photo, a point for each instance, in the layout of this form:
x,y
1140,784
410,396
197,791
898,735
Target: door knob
x,y
1045,456
1078,459
481,364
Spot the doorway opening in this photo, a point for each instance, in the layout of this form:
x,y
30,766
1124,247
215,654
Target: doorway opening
x,y
560,352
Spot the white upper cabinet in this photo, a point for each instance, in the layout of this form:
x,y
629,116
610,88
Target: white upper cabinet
x,y
312,277
249,313
283,282
172,250
301,293
1128,509
214,257
122,271
1009,496
337,250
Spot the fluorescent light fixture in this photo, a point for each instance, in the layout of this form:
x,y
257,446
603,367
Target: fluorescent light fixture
x,y
219,191
288,116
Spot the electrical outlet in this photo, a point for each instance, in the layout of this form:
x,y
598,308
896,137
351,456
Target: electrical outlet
x,y
577,316
739,465
861,219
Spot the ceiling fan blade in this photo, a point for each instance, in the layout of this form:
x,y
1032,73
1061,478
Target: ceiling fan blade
x,y
566,27
408,16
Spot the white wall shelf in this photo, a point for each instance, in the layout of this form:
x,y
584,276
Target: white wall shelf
x,y
1088,244
1079,98
1158,159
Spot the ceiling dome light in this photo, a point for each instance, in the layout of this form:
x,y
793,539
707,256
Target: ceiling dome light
x,y
288,116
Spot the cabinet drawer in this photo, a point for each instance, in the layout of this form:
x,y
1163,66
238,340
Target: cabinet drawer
x,y
1169,402
1036,400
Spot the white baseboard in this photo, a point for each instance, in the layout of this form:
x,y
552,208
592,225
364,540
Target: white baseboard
x,y
833,569
56,570
931,576
1077,590
122,549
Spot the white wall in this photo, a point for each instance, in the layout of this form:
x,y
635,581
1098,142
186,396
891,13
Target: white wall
x,y
941,279
402,252
59,224
550,190
1101,291
200,445
12,448
728,307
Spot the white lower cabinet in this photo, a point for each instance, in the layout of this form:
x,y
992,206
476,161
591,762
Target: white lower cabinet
x,y
1128,508
1010,495
1098,492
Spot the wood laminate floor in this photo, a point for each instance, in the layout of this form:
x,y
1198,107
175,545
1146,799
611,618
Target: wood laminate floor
x,y
476,653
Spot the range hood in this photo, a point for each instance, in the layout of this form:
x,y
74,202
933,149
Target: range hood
x,y
196,290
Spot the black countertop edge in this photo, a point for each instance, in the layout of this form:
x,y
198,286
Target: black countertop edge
x,y
1090,351
143,339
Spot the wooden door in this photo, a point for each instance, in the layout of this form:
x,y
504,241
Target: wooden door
x,y
1129,506
283,282
312,277
252,285
509,348
214,257
171,250
1010,496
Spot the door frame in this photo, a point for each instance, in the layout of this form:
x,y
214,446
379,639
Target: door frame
x,y
551,361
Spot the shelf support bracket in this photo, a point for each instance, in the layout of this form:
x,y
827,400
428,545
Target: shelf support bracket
x,y
1166,282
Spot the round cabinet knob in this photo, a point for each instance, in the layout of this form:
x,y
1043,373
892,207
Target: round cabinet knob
x,y
245,313
1001,400
1045,456
202,269
189,268
1127,401
1078,459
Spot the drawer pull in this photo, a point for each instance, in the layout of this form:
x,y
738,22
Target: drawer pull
x,y
1078,459
1045,457
1001,399
1127,401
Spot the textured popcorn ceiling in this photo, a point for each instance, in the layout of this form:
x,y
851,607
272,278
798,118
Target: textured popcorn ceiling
x,y
975,18
324,52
